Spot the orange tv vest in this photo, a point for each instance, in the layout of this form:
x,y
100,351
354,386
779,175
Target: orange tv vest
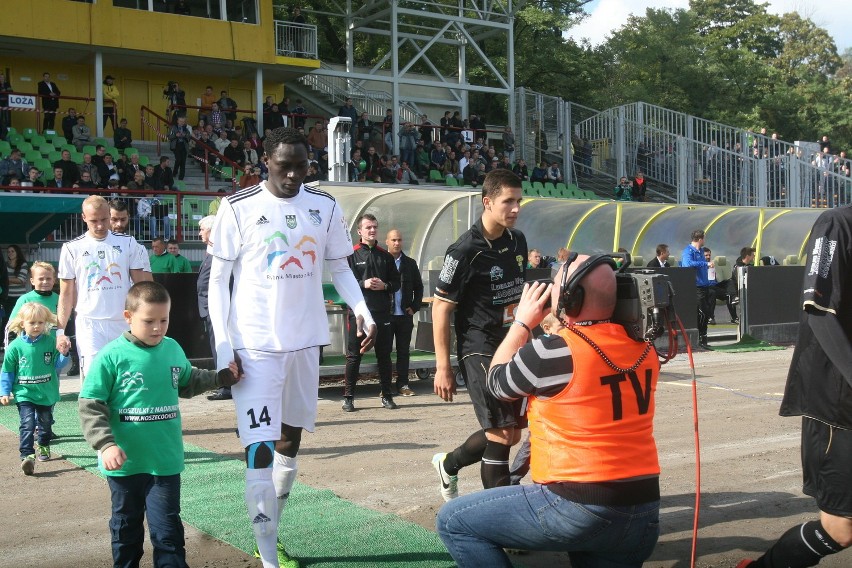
x,y
600,427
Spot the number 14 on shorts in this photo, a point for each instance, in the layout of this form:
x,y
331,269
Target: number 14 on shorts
x,y
257,419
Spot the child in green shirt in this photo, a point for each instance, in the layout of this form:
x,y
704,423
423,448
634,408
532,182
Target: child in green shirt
x,y
129,412
30,377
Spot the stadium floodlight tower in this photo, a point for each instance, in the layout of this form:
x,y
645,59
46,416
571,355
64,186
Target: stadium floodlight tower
x,y
338,148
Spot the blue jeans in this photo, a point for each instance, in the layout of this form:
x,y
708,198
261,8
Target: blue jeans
x,y
476,527
29,414
132,496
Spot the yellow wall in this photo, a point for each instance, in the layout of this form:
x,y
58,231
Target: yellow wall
x,y
102,24
78,81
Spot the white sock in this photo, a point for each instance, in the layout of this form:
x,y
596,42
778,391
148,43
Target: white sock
x,y
262,509
284,472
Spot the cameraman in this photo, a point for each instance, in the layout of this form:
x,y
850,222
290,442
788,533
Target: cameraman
x,y
594,459
177,100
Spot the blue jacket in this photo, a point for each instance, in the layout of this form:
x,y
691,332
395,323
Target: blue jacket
x,y
695,257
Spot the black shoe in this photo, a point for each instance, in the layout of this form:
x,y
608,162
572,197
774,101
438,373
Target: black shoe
x,y
223,393
74,369
348,404
702,341
712,321
735,321
388,403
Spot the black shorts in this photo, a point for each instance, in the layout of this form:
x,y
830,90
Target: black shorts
x,y
490,412
827,466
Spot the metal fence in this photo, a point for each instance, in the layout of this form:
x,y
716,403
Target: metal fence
x,y
296,40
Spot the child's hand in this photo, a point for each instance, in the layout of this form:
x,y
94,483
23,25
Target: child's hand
x,y
113,458
4,400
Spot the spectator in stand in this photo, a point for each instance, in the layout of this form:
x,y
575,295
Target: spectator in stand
x,y
107,170
639,186
478,128
348,111
49,93
110,103
505,163
385,173
122,137
161,260
179,141
216,118
251,176
33,178
373,163
421,159
456,126
363,128
407,142
539,173
131,168
68,123
426,131
81,134
6,113
521,170
554,174
222,142
13,166
275,119
509,143
234,153
438,157
662,258
405,175
249,154
451,167
387,129
317,139
208,97
90,168
85,181
624,190
138,183
164,178
299,114
182,8
228,106
68,167
181,262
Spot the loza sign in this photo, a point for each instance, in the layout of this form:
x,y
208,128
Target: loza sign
x,y
22,101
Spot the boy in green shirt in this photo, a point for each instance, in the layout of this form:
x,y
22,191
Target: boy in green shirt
x,y
129,412
181,262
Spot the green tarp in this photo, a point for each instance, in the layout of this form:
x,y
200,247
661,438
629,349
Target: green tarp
x,y
30,217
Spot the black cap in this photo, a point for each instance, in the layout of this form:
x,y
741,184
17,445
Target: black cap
x,y
108,77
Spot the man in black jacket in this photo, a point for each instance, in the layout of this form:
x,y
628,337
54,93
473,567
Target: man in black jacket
x,y
406,303
49,101
375,270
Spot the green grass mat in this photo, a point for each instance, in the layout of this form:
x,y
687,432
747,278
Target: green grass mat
x,y
745,344
321,529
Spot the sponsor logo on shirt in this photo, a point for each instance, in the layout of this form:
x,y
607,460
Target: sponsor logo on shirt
x,y
301,257
448,270
262,221
86,253
148,413
131,381
315,216
821,257
97,274
22,361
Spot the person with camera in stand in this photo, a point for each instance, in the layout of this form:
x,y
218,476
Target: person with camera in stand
x,y
177,101
590,390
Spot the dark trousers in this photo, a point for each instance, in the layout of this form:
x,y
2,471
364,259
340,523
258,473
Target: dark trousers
x,y
30,414
383,347
401,329
132,497
48,120
705,308
722,290
109,115
180,161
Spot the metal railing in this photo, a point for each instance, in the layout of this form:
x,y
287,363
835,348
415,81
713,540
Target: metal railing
x,y
339,88
296,40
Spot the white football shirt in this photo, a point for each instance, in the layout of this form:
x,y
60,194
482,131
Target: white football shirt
x,y
101,269
278,247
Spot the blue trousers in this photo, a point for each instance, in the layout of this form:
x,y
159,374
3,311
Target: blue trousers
x,y
30,414
132,497
475,528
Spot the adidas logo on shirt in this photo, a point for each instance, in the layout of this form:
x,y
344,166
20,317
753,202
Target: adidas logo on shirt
x,y
260,518
262,221
86,253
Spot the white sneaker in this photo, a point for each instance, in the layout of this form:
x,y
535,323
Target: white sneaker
x,y
449,483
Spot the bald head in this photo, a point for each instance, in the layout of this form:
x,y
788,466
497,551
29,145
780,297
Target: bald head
x,y
599,288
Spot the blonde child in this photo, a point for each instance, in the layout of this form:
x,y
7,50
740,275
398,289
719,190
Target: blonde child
x,y
43,279
30,377
130,414
521,465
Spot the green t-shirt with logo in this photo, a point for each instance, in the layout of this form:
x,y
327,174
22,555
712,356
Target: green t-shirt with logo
x,y
51,301
140,387
33,365
182,264
163,262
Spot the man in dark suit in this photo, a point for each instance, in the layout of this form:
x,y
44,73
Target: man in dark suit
x,y
662,258
58,179
406,303
49,101
68,123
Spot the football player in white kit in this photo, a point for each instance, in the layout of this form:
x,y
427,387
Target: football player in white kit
x,y
273,239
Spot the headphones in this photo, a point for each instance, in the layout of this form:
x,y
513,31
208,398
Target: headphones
x,y
571,294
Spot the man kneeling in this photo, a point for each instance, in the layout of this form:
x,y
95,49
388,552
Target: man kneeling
x,y
596,492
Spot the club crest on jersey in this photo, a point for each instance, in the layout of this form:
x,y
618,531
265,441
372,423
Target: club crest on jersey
x,y
48,355
116,248
175,376
496,273
315,216
291,221
520,261
101,254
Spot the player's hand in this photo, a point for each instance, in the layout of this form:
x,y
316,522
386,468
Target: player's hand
x,y
113,458
4,400
229,376
63,344
533,305
445,384
368,333
240,373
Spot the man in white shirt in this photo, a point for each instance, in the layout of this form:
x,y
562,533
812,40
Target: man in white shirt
x,y
95,272
272,238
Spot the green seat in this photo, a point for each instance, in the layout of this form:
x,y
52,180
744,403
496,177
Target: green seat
x,y
89,149
180,185
25,147
538,187
38,140
436,177
330,295
14,138
144,160
550,189
590,194
227,172
5,148
12,130
32,156
70,147
28,133
55,138
130,151
43,166
77,158
452,181
114,153
54,156
46,149
562,190
101,141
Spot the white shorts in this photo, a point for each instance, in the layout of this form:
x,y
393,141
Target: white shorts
x,y
93,335
278,388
